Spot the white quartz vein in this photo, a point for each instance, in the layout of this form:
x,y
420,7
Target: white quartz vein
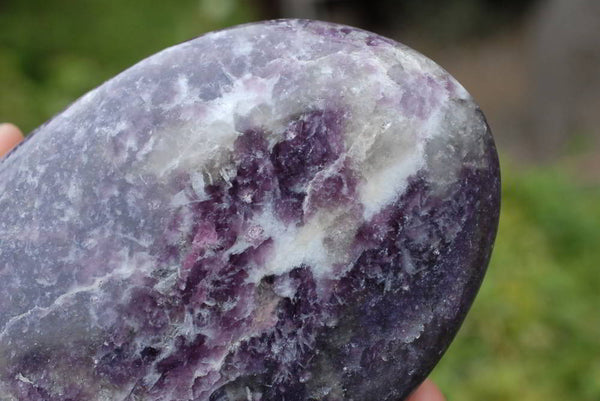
x,y
123,272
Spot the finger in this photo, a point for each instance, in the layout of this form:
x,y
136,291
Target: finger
x,y
10,136
427,391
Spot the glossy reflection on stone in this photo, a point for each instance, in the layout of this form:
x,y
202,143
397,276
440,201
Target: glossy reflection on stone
x,y
287,210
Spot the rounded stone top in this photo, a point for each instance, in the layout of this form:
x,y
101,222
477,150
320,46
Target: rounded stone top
x,y
288,209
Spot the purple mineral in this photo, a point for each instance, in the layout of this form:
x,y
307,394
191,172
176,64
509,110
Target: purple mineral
x,y
287,210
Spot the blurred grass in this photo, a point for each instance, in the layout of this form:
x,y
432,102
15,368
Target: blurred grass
x,y
52,52
534,331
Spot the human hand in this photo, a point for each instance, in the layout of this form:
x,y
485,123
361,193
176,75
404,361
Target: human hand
x,y
427,391
10,136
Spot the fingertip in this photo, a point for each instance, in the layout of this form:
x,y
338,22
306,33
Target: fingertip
x,y
427,391
10,136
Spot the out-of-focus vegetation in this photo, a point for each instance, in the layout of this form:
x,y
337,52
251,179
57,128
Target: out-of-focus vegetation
x,y
52,52
534,331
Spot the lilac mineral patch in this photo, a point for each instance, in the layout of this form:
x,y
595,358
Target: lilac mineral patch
x,y
287,210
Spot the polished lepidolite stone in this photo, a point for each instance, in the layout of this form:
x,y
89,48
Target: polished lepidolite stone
x,y
288,210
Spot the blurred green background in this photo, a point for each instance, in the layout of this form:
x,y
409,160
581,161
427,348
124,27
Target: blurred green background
x,y
534,331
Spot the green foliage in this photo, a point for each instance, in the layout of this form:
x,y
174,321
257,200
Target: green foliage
x,y
52,52
533,331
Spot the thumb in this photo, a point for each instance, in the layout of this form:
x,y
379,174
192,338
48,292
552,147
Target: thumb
x,y
10,136
427,392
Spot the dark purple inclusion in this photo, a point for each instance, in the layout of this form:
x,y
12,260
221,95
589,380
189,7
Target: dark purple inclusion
x,y
193,325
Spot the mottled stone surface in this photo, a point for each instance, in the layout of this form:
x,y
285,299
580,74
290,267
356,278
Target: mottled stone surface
x,y
288,210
